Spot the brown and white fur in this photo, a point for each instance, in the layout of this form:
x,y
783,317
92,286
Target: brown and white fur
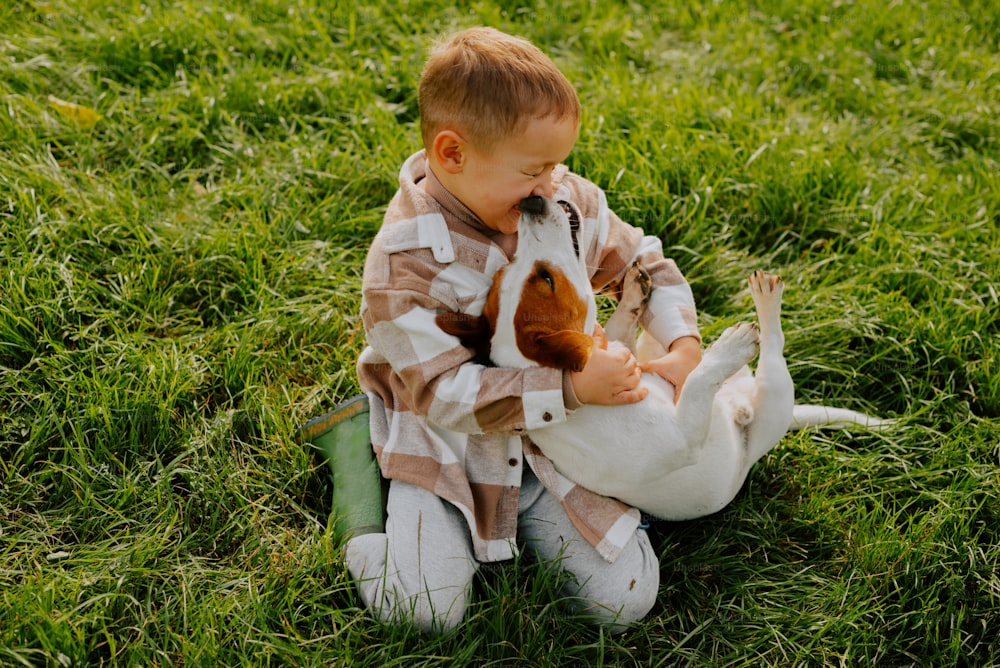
x,y
674,461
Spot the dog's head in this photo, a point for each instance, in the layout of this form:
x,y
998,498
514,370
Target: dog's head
x,y
540,310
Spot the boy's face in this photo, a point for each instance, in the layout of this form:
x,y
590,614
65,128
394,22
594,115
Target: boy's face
x,y
492,183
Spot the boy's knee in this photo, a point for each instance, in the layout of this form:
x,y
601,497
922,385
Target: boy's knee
x,y
622,605
637,604
394,598
435,614
432,613
623,593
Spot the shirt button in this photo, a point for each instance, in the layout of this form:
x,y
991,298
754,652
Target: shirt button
x,y
547,417
512,461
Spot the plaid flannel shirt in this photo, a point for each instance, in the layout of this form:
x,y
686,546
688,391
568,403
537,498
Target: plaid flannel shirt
x,y
453,426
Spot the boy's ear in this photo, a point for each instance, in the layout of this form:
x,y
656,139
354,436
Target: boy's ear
x,y
449,151
565,349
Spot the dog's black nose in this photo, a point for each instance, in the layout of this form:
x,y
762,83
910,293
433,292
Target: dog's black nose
x,y
534,205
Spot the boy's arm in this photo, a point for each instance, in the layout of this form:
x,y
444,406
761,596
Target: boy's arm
x,y
674,367
670,316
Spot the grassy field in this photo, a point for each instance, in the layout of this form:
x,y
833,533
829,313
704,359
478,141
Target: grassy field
x,y
180,261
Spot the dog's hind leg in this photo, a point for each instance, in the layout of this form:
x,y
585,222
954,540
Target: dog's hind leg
x,y
773,396
727,356
623,325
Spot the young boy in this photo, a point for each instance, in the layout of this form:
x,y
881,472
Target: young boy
x,y
497,120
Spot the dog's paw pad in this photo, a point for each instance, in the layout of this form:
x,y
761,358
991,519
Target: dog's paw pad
x,y
744,332
765,284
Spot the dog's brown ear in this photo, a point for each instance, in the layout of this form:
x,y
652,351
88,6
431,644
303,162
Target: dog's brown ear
x,y
472,330
565,349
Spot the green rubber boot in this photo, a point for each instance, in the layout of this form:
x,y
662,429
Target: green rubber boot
x,y
342,438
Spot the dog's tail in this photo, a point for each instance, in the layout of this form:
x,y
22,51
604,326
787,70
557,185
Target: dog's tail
x,y
805,416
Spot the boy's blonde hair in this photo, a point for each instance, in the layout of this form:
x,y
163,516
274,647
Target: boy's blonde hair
x,y
486,85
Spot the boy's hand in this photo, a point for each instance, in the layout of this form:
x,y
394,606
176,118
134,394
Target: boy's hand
x,y
609,377
674,367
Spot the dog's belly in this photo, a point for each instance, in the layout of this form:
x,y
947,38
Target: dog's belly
x,y
611,449
636,453
705,487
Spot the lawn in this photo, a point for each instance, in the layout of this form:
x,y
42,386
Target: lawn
x,y
187,193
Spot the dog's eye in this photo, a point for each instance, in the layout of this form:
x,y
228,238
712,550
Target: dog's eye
x,y
544,274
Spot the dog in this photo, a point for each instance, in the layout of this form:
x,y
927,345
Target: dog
x,y
672,461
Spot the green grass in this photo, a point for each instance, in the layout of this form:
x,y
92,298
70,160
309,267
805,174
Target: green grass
x,y
179,289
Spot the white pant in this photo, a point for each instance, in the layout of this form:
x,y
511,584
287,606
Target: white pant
x,y
421,570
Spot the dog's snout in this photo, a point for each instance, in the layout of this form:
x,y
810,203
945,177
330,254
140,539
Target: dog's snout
x,y
533,205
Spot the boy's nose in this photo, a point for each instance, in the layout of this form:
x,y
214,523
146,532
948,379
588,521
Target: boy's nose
x,y
543,189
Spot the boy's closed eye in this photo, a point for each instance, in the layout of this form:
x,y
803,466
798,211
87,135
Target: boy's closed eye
x,y
537,170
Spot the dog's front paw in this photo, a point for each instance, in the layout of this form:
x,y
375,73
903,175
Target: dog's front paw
x,y
636,287
737,345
